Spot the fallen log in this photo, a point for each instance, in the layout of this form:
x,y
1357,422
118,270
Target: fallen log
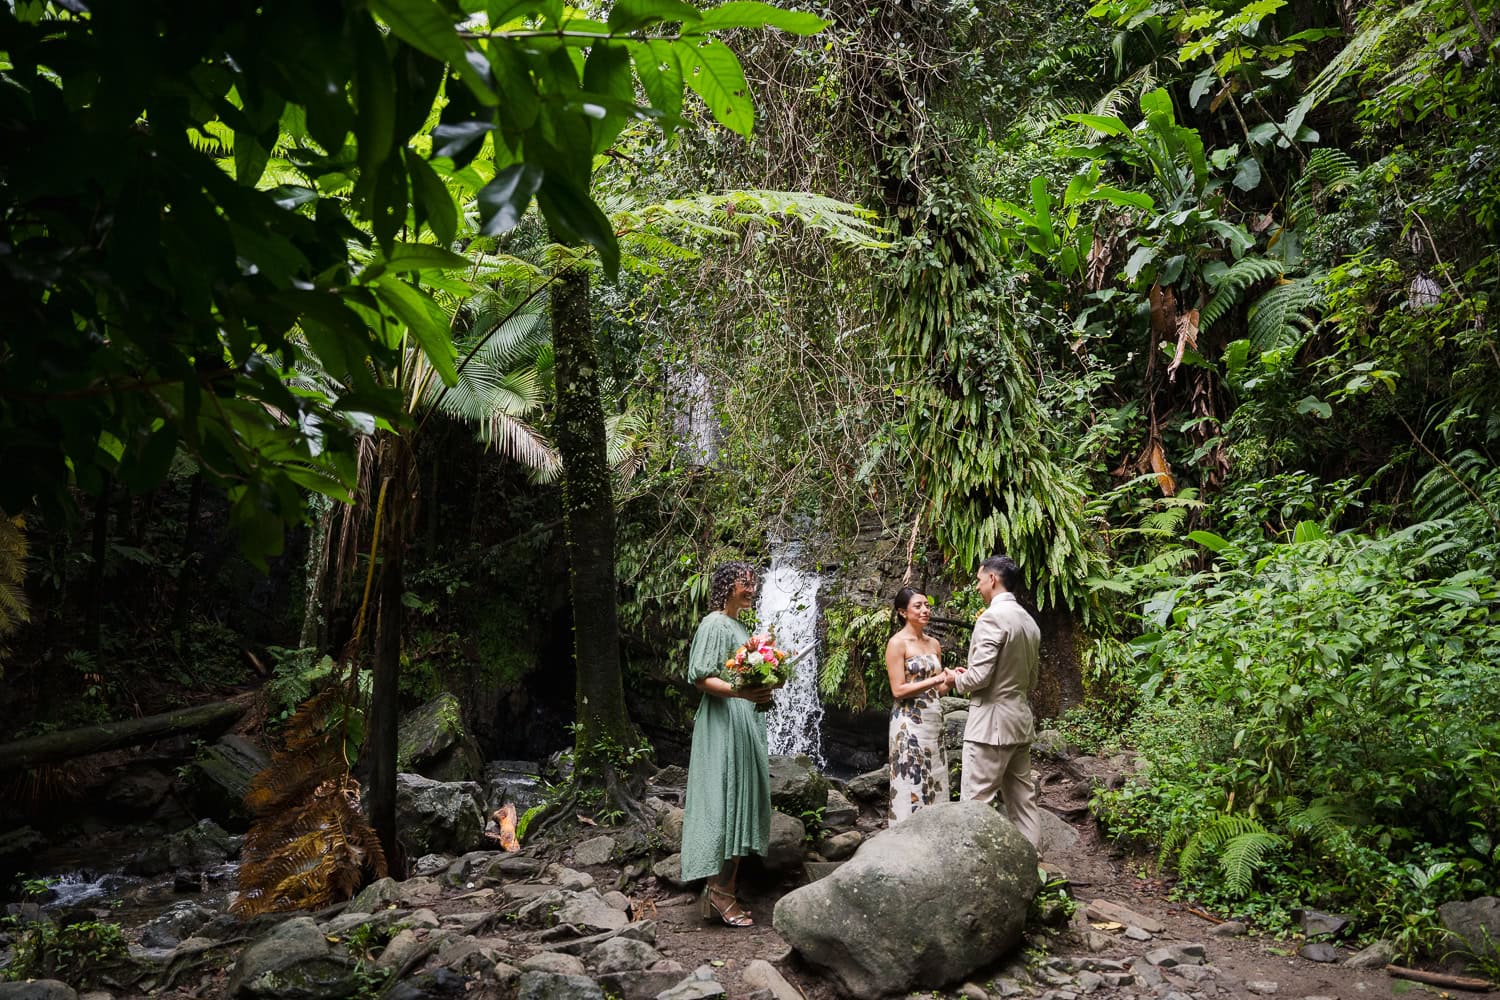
x,y
1440,979
212,719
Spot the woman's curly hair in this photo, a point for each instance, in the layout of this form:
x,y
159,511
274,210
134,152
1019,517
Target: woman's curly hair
x,y
723,580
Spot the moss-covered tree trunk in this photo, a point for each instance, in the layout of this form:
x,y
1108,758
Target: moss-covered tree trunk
x,y
589,521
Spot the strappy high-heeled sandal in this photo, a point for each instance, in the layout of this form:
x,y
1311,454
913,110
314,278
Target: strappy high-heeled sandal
x,y
712,906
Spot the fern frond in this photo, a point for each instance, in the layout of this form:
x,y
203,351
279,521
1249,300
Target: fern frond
x,y
1230,284
1279,318
1244,856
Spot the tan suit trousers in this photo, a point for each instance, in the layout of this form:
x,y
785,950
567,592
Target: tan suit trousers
x,y
989,769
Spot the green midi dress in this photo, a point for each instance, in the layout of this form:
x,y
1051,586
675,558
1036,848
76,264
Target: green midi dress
x,y
728,807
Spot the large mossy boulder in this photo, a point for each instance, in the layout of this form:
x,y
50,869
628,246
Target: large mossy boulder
x,y
1473,927
797,787
292,962
874,924
433,742
438,817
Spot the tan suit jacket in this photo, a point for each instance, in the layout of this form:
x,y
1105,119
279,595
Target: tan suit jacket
x,y
1002,671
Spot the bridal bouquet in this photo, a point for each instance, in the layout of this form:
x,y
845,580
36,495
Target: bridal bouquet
x,y
758,664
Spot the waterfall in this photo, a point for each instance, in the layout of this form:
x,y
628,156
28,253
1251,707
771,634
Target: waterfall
x,y
789,609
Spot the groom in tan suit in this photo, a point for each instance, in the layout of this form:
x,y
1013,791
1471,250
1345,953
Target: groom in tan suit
x,y
1001,672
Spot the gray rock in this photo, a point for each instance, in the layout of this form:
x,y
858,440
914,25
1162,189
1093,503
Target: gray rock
x,y
400,949
1053,744
589,913
762,975
554,962
618,900
640,930
1147,974
550,986
378,895
433,742
138,791
669,870
594,851
973,991
1376,956
840,812
505,975
1006,987
431,864
1056,835
840,845
642,984
622,954
37,989
1262,987
1196,974
871,922
1473,927
292,962
1104,909
219,778
1319,951
516,866
177,922
1316,923
200,846
1177,954
797,787
438,817
1096,942
466,956
1230,928
669,827
570,879
872,786
1137,934
693,989
787,847
1089,982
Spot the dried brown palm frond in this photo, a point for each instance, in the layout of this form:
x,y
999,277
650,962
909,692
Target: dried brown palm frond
x,y
310,844
14,610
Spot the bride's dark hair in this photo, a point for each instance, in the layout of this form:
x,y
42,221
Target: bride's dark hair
x,y
723,580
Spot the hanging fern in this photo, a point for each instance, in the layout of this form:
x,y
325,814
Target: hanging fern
x,y
1445,492
1328,172
310,844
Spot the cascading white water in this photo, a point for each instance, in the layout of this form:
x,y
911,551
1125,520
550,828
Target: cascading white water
x,y
789,608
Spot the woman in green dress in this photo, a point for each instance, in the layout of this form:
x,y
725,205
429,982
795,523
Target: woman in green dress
x,y
728,807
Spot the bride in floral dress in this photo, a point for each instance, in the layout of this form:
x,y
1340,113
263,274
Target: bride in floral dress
x,y
913,662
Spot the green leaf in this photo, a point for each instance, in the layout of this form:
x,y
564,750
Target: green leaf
x,y
1247,174
375,111
607,72
430,196
1239,241
1137,261
1108,124
1209,540
714,73
504,200
1125,199
1312,404
423,25
1308,531
426,322
573,216
1263,133
408,257
749,14
632,15
661,75
1200,86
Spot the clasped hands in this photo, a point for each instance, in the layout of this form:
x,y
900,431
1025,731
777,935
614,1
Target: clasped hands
x,y
949,678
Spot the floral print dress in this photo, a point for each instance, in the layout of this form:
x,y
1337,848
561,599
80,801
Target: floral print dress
x,y
919,771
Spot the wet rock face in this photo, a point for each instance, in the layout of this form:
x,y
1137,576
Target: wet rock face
x,y
292,962
869,924
1474,929
218,780
195,848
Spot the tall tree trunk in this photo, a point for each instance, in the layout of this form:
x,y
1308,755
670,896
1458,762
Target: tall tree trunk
x,y
589,520
384,717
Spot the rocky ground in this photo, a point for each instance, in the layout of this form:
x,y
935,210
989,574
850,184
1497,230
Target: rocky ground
x,y
598,913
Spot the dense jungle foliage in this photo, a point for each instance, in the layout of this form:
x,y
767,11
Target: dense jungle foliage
x,y
1184,306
